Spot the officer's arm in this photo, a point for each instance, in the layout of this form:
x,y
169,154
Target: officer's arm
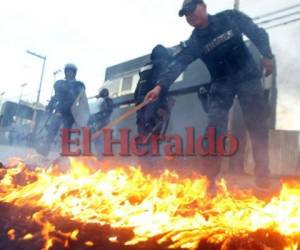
x,y
56,88
256,34
51,105
190,51
81,87
54,99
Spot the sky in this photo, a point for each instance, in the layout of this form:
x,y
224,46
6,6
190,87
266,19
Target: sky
x,y
95,34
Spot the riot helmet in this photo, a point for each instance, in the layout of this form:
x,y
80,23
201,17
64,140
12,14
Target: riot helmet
x,y
104,93
70,70
160,53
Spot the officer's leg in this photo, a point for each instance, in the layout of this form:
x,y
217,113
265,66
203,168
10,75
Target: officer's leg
x,y
220,101
255,109
68,121
144,128
98,143
140,122
162,115
52,129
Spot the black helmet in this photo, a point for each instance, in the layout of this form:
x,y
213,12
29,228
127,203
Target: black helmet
x,y
159,53
104,93
71,66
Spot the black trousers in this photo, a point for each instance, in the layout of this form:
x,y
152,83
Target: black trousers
x,y
57,121
255,111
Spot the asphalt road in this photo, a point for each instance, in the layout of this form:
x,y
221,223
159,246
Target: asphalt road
x,y
26,154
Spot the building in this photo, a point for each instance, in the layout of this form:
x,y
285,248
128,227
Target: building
x,y
16,121
21,112
121,80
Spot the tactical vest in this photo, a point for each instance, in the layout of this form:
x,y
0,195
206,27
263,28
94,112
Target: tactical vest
x,y
222,47
65,93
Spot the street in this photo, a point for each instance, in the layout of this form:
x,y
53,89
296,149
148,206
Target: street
x,y
27,154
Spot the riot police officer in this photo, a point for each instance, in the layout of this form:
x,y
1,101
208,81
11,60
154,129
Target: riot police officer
x,y
218,41
102,118
59,108
150,119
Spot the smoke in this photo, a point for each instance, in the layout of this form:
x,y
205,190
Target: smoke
x,y
286,48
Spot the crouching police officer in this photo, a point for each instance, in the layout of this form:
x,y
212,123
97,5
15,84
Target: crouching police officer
x,y
151,119
100,119
218,41
59,108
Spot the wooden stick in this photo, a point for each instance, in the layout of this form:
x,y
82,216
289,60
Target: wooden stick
x,y
120,119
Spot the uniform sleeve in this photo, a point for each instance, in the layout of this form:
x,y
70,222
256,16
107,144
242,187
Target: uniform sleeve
x,y
56,87
82,85
256,34
190,51
51,105
57,90
79,88
110,105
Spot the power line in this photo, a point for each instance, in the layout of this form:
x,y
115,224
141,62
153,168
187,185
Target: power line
x,y
278,18
276,12
283,23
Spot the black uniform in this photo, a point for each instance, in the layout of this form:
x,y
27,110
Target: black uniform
x,y
102,118
234,72
150,119
59,107
66,91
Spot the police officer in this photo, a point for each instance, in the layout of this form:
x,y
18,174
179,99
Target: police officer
x,y
101,118
218,41
65,93
150,119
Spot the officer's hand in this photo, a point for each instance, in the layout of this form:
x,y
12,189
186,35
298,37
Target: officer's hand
x,y
153,94
267,64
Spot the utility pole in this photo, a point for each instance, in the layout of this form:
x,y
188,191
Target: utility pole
x,y
237,4
54,78
19,104
1,94
39,90
21,93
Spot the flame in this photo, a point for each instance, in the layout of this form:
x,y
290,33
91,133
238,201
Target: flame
x,y
176,211
28,236
11,234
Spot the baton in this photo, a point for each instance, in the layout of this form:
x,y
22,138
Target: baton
x,y
120,119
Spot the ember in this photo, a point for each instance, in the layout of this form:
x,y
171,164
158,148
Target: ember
x,y
123,208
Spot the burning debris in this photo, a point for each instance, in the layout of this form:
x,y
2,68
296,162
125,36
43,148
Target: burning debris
x,y
123,208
